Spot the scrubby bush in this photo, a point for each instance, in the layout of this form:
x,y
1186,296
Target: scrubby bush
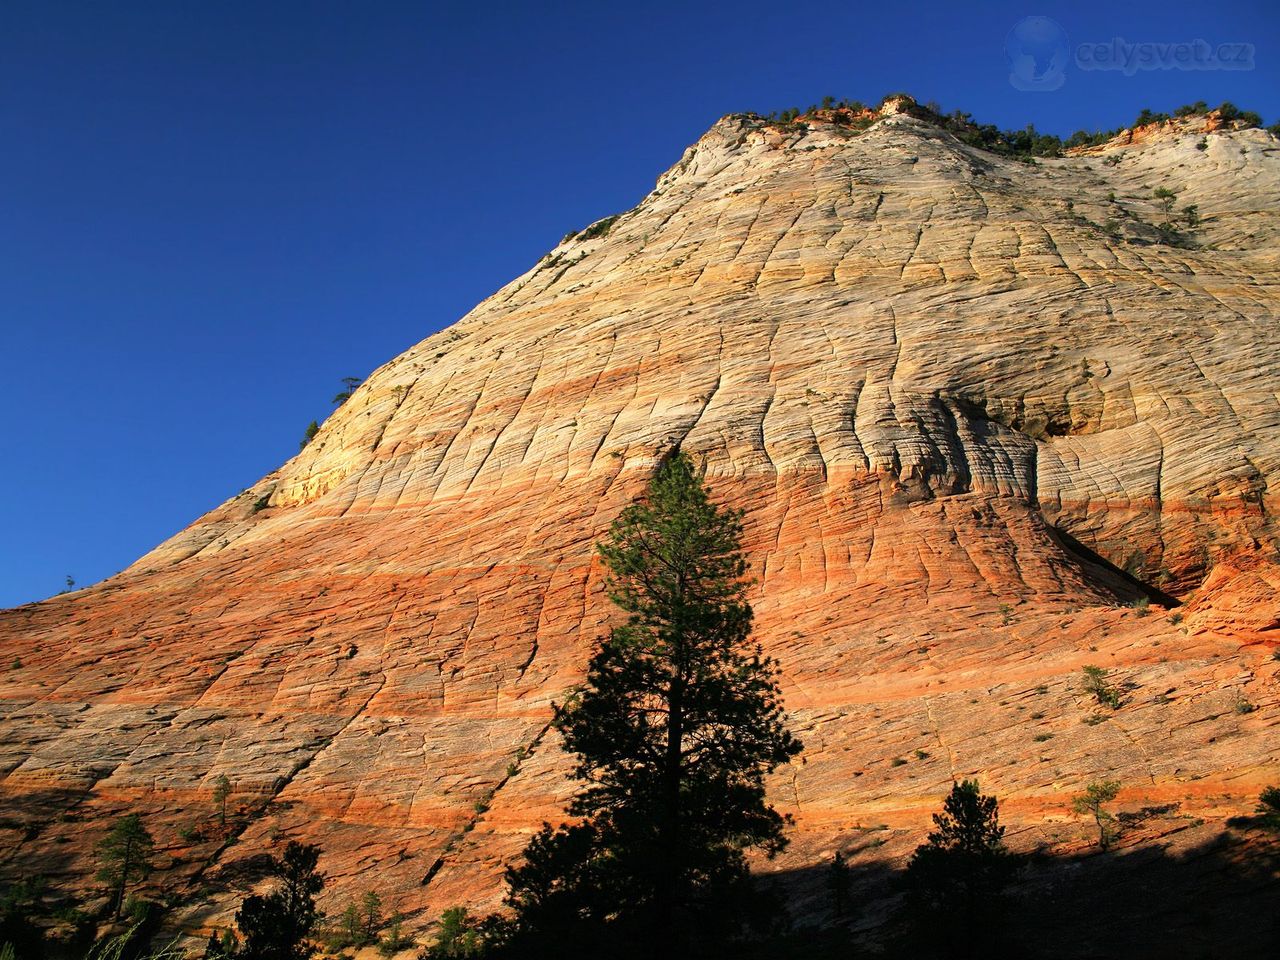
x,y
1097,684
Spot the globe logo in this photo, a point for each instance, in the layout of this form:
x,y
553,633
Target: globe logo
x,y
1038,52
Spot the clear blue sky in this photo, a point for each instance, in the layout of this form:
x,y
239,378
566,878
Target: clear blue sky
x,y
210,212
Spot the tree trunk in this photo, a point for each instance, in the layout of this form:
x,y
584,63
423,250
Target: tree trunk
x,y
124,877
669,887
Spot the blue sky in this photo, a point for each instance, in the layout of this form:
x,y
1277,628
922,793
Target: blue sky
x,y
210,213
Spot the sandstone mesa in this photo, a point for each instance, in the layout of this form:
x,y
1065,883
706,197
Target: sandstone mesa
x,y
969,425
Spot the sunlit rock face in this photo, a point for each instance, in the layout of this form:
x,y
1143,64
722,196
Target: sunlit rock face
x,y
972,407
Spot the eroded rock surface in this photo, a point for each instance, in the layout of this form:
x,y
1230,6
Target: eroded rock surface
x,y
974,409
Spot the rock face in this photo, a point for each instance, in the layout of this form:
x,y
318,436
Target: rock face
x,y
974,409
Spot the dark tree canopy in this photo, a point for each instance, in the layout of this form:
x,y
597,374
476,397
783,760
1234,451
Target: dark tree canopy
x,y
676,726
124,857
275,926
956,878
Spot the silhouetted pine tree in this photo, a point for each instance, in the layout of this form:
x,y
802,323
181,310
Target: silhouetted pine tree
x,y
956,878
275,926
676,726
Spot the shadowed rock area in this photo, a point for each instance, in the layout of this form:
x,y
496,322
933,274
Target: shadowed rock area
x,y
975,409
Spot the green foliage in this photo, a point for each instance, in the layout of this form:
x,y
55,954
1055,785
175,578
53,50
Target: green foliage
x,y
1247,118
675,728
308,435
275,926
459,935
1020,144
1269,808
1082,138
1166,198
358,925
395,939
1093,803
598,229
221,790
370,915
345,930
1024,144
349,385
1097,684
124,857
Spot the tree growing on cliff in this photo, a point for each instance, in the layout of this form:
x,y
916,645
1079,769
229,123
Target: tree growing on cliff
x,y
955,879
276,926
1269,808
221,790
1092,802
459,935
124,857
676,726
308,435
349,385
1166,198
838,882
964,858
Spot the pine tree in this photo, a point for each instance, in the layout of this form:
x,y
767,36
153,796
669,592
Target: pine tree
x,y
308,435
275,926
675,728
459,935
955,879
221,790
125,857
838,881
349,385
1093,803
1269,808
370,917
